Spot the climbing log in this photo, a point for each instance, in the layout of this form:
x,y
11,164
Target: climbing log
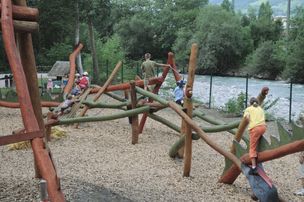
x,y
17,104
134,117
71,80
41,155
211,129
230,175
193,125
239,134
24,13
189,108
25,26
103,88
120,115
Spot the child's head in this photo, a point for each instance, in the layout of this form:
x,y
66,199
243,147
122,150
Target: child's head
x,y
180,83
70,97
253,101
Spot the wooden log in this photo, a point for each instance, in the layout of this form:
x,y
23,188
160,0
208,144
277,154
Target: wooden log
x,y
211,129
17,104
41,156
134,117
239,134
120,115
194,126
125,86
72,58
261,97
24,13
48,129
126,94
189,107
103,88
116,97
231,175
25,26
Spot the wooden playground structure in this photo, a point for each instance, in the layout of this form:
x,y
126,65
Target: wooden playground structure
x,y
19,21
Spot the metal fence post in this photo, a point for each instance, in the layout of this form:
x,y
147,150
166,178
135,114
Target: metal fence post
x,y
290,101
210,91
107,69
246,99
122,66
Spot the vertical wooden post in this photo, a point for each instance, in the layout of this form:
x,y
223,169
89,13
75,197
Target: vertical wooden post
x,y
48,128
135,129
126,94
181,151
188,105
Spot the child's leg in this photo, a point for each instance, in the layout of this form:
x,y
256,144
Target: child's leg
x,y
255,135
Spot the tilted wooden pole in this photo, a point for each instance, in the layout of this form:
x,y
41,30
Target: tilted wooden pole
x,y
28,109
72,58
134,117
104,87
189,107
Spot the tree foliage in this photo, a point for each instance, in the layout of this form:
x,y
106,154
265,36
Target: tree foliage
x,y
126,29
267,61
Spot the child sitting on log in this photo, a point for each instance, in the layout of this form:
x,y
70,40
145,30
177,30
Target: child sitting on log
x,y
257,127
66,105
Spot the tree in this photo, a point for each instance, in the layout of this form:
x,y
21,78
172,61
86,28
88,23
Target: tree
x,y
224,42
227,5
264,28
267,61
92,11
295,62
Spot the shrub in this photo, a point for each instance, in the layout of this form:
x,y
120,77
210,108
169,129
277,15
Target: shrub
x,y
237,105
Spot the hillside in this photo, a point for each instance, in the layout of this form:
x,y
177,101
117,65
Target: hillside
x,y
279,7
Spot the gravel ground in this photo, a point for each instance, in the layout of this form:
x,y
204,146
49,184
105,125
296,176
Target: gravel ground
x,y
98,163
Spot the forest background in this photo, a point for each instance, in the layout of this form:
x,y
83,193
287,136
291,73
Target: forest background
x,y
239,39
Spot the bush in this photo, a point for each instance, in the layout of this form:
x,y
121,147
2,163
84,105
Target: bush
x,y
236,106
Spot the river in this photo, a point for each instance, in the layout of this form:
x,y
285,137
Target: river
x,y
224,88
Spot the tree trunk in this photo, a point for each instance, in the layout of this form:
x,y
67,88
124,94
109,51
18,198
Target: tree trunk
x,y
93,50
78,59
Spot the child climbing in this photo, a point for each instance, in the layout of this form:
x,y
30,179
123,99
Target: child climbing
x,y
179,92
66,105
257,127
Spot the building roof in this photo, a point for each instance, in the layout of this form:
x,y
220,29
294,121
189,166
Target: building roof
x,y
60,68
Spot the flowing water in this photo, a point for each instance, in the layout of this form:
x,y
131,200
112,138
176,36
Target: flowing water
x,y
225,88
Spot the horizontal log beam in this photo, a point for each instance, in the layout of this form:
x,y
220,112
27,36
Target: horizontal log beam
x,y
101,118
24,13
25,26
230,175
14,138
17,105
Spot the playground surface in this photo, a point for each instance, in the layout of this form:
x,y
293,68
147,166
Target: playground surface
x,y
97,162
